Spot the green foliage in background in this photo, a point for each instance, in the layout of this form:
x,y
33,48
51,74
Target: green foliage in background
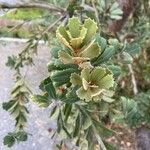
x,y
24,14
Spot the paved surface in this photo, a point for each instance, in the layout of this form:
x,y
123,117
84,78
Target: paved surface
x,y
38,121
12,1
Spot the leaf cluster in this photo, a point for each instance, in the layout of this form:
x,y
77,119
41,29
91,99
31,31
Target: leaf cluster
x,y
79,117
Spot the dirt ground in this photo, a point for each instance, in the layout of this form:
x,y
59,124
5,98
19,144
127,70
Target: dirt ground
x,y
124,138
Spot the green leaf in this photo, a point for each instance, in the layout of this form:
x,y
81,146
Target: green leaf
x,y
58,84
51,90
16,111
116,70
65,57
62,124
42,100
91,29
45,82
54,51
116,12
126,58
97,74
74,27
48,87
20,120
62,76
102,130
115,43
9,140
83,94
67,111
58,65
99,139
131,111
11,61
92,51
51,66
54,113
106,82
116,17
114,6
128,105
9,105
85,84
105,56
85,73
62,31
132,48
76,43
83,32
21,136
90,138
63,36
86,122
71,95
101,41
77,126
75,79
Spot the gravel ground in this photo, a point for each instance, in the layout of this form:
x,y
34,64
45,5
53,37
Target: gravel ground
x,y
38,121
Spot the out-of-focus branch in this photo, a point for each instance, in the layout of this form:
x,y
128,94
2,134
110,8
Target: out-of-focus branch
x,y
9,22
53,24
46,6
96,14
133,80
50,27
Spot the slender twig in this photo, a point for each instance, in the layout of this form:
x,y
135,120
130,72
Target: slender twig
x,y
49,28
96,14
53,24
134,83
9,22
31,5
87,7
17,26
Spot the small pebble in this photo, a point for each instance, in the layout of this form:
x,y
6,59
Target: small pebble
x,y
122,142
128,144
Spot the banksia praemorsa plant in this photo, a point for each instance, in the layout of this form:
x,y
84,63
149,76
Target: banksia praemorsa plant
x,y
93,83
80,86
79,39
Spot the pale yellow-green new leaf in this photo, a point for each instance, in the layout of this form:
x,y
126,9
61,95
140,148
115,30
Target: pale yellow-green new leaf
x,y
106,82
92,51
91,29
74,27
83,32
75,79
83,94
97,74
85,73
76,43
63,36
85,84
